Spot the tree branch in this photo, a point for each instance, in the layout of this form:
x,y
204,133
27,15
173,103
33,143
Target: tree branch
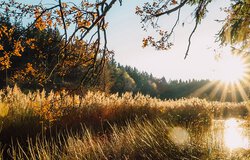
x,y
171,10
197,19
63,20
190,37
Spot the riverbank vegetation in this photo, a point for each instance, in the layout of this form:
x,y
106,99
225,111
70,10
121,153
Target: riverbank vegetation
x,y
106,126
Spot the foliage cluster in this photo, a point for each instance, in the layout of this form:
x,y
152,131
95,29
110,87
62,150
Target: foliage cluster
x,y
37,55
29,58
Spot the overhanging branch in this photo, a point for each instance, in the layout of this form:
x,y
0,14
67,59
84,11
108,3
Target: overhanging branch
x,y
171,10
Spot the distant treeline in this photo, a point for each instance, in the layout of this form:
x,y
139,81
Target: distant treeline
x,y
129,79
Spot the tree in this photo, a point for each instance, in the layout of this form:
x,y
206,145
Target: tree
x,y
80,23
37,61
235,30
38,56
12,46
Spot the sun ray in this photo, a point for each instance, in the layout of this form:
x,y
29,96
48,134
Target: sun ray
x,y
233,93
246,80
242,91
231,80
224,92
215,90
203,89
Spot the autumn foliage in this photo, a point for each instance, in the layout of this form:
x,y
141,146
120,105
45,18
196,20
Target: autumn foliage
x,y
44,52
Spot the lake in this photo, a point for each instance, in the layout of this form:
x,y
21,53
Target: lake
x,y
230,134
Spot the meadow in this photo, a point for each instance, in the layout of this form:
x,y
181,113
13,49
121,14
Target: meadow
x,y
58,125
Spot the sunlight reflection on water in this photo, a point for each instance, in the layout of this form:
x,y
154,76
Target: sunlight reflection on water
x,y
231,134
235,134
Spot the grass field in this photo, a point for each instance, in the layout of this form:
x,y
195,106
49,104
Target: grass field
x,y
57,125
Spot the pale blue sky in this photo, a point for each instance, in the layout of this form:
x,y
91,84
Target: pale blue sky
x,y
125,38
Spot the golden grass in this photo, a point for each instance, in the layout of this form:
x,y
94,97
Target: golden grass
x,y
57,125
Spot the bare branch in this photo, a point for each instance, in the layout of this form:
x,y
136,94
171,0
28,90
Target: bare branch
x,y
171,10
198,16
190,37
63,20
176,22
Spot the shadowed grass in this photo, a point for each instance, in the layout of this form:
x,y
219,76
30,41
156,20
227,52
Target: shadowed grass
x,y
138,140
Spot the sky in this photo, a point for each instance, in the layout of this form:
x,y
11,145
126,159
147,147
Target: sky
x,y
125,38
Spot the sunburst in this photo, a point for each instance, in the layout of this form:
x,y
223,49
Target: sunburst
x,y
230,69
231,75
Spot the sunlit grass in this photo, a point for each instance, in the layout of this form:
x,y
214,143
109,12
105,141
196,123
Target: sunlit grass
x,y
147,140
4,109
57,125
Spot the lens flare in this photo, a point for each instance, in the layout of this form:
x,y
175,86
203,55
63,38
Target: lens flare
x,y
179,136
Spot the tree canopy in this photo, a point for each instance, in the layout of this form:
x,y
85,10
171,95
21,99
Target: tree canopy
x,y
236,29
82,42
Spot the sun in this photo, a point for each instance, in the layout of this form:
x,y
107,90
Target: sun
x,y
230,79
230,69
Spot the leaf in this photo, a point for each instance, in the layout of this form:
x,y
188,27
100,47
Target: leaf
x,y
144,42
64,5
173,2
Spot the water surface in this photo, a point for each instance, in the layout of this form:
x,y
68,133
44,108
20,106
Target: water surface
x,y
230,134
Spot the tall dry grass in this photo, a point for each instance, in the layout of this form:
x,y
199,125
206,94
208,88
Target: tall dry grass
x,y
146,140
57,125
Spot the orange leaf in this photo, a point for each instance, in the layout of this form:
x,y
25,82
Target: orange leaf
x,y
173,2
